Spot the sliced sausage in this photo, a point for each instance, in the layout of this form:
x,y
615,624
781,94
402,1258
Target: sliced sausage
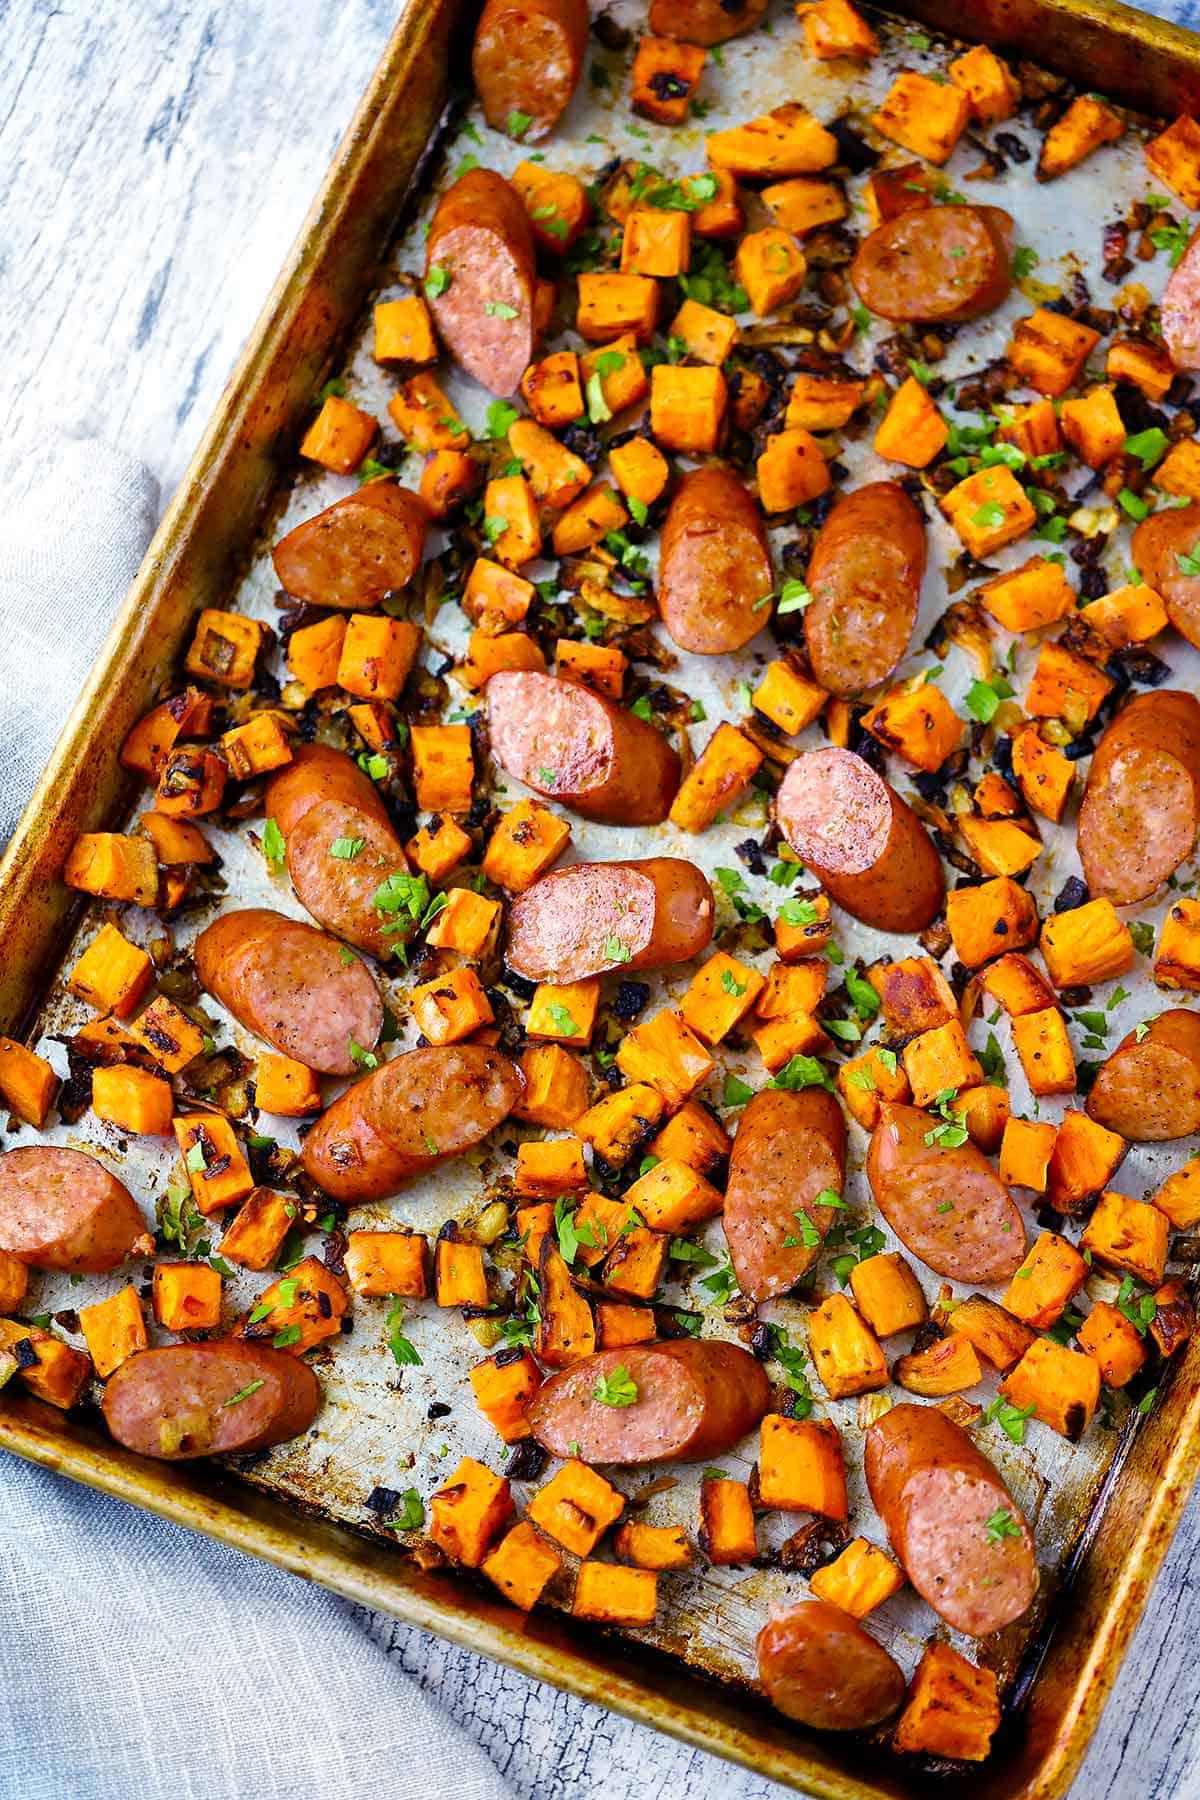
x,y
865,843
696,1397
1141,807
527,59
591,917
291,985
704,21
482,298
864,576
209,1399
61,1209
961,1537
937,265
945,1204
322,798
1157,545
1149,1089
576,747
789,1148
714,570
357,550
818,1665
1181,308
408,1116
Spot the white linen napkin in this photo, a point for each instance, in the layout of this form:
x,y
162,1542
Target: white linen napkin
x,y
137,1658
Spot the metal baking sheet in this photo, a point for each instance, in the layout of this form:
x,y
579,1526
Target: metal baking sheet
x,y
374,1429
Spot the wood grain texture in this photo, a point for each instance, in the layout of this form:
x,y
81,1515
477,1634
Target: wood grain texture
x,y
156,160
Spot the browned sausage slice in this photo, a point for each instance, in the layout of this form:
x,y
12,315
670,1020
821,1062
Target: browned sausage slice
x,y
408,1116
1158,545
482,299
714,569
357,550
591,917
574,746
864,576
945,1204
292,985
696,1397
321,799
704,21
1149,1088
1181,308
1141,807
61,1209
865,843
789,1148
961,1537
526,60
940,264
209,1399
818,1665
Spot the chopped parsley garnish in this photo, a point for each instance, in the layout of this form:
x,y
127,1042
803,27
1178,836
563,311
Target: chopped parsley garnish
x,y
273,846
404,1352
1001,1525
436,282
736,1092
518,123
236,1399
346,849
617,1389
362,1059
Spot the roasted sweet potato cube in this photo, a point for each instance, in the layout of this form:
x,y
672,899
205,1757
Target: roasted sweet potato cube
x,y
636,1264
1044,774
673,1197
987,920
726,1522
556,1087
340,435
1051,1275
940,1059
448,479
1173,158
694,1137
666,1053
614,377
524,844
866,1080
1036,594
1177,960
994,798
1114,1342
113,867
550,1168
186,1296
801,1467
14,1283
793,1034
1129,1235
788,697
504,1385
1086,1157
833,28
918,724
612,304
914,993
424,417
50,1369
314,653
468,1513
386,1263
1016,985
1174,1318
451,1006
468,924
132,1099
600,667
822,402
522,1565
443,767
984,1109
214,1160
618,1323
564,1012
793,987
771,266
557,204
802,205
922,116
988,510
1087,123
113,1330
458,1273
888,1294
1179,473
1048,351
687,407
664,77
1087,944
302,1308
588,520
1025,1152
112,974
999,846
988,83
620,1122
1044,1047
576,1507
653,1546
721,993
905,187
791,471
846,1355
613,1595
1179,1195
720,773
28,1083
786,141
404,331
912,430
225,648
1062,1386
1147,366
656,243
858,1580
953,1707
256,1235
803,926
995,1333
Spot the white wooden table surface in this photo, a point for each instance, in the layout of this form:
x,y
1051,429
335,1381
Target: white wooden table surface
x,y
156,160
